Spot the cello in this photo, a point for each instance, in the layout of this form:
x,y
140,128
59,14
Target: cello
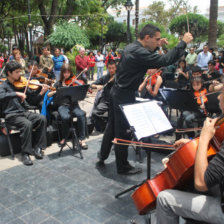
x,y
179,171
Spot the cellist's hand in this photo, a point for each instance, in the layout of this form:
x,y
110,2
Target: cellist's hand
x,y
181,142
208,129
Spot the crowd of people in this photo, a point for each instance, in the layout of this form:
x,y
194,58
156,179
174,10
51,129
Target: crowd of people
x,y
142,69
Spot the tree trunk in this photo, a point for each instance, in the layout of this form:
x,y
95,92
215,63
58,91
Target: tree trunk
x,y
212,31
48,23
136,18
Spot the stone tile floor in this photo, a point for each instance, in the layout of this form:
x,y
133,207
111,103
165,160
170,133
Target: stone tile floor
x,y
69,190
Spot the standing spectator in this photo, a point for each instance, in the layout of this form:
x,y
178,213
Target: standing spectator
x,y
17,56
14,48
1,62
221,62
58,60
109,57
81,62
46,62
191,58
91,61
204,57
99,64
66,58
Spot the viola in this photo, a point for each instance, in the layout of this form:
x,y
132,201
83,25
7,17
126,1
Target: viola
x,y
34,84
179,171
74,82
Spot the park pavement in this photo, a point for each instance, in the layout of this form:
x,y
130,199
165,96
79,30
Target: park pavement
x,y
71,190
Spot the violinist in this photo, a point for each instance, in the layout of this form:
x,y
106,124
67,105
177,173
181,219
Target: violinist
x,y
13,105
212,77
36,96
66,76
101,105
188,117
207,206
153,81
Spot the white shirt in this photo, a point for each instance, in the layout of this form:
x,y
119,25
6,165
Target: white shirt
x,y
99,60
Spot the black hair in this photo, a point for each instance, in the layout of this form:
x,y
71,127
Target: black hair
x,y
45,47
182,60
12,66
32,63
212,62
196,69
197,79
148,29
111,62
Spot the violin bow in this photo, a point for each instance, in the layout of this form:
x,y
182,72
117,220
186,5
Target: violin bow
x,y
77,77
119,141
28,79
149,76
2,71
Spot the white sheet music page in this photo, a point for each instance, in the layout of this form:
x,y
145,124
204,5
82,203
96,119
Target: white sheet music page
x,y
147,118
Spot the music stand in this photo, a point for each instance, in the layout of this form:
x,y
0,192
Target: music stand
x,y
179,99
74,94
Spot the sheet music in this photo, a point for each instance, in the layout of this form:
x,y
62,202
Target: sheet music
x,y
147,118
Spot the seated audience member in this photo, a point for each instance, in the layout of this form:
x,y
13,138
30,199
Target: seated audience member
x,y
205,206
64,109
101,105
32,126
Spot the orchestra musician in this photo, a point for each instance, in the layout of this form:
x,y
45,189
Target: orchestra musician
x,y
36,96
206,206
32,126
66,77
136,59
188,117
101,107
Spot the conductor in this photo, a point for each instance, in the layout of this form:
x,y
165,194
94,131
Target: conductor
x,y
136,59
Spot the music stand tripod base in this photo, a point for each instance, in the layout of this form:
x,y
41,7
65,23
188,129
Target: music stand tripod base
x,y
74,94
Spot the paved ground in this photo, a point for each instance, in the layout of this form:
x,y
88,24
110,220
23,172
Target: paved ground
x,y
69,190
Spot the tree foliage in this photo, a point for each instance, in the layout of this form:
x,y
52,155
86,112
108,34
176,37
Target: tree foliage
x,y
159,14
67,35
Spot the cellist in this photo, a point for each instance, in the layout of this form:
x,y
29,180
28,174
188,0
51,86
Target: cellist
x,y
208,177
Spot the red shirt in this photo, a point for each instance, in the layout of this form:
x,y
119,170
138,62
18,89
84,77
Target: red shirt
x,y
91,61
1,61
81,63
107,59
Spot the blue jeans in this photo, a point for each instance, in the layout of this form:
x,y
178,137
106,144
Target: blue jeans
x,y
99,72
64,112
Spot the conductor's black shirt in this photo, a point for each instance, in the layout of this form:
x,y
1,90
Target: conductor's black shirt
x,y
136,59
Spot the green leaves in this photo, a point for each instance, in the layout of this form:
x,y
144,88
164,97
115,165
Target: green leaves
x,y
67,34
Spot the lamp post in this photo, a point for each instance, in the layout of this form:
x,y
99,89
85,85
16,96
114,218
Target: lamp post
x,y
128,5
30,29
101,42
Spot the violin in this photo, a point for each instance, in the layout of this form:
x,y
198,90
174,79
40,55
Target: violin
x,y
201,98
152,80
2,80
34,84
74,82
179,171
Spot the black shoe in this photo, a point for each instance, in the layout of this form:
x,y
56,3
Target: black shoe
x,y
38,153
100,163
26,160
129,170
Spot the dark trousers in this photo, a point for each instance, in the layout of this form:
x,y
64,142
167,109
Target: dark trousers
x,y
100,114
32,129
91,73
117,126
64,112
